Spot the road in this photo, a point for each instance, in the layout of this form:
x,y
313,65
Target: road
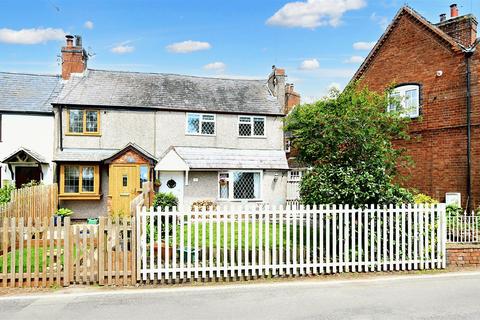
x,y
443,296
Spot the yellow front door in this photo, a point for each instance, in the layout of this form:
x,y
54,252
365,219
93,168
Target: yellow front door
x,y
124,183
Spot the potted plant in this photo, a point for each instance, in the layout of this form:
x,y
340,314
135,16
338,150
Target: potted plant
x,y
60,214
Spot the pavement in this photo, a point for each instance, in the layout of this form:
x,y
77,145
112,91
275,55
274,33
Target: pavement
x,y
431,296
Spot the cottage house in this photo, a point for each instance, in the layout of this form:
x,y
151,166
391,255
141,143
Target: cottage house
x,y
26,127
434,68
202,138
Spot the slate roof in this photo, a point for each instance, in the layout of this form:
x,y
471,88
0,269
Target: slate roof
x,y
84,155
169,92
223,158
28,92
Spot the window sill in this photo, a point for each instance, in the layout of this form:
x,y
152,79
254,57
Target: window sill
x,y
240,200
83,134
252,137
66,196
200,135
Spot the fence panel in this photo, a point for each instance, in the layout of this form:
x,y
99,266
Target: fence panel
x,y
40,253
31,202
33,253
256,242
463,229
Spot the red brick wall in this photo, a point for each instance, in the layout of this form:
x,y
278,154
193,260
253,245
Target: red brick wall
x,y
463,256
412,54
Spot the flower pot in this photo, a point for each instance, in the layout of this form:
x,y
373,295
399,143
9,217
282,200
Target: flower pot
x,y
58,220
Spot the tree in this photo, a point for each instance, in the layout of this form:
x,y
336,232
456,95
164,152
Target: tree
x,y
347,140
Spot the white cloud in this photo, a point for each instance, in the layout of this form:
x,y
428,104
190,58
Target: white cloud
x,y
314,13
355,59
188,46
310,64
88,24
122,48
31,36
334,85
382,21
215,66
364,45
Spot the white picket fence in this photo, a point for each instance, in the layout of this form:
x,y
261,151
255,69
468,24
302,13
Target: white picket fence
x,y
463,229
279,241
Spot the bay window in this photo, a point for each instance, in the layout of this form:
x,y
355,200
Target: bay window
x,y
77,181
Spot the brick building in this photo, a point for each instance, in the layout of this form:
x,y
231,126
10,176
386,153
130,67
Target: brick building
x,y
434,68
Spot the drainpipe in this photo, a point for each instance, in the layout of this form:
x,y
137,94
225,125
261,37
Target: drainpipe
x,y
468,54
60,127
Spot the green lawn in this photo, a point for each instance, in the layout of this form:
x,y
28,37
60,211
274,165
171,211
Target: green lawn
x,y
223,234
25,260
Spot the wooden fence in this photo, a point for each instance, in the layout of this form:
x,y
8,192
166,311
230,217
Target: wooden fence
x,y
40,253
278,241
31,202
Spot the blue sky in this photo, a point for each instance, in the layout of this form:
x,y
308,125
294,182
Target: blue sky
x,y
318,42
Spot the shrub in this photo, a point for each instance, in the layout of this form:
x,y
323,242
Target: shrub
x,y
165,199
332,184
31,183
200,204
423,198
5,193
64,212
454,210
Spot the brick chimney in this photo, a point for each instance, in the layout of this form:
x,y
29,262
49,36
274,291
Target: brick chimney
x,y
74,57
462,29
276,84
292,98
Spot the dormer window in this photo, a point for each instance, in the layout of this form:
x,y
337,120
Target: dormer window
x,y
407,99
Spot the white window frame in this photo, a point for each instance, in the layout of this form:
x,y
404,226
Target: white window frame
x,y
252,135
200,124
288,145
230,186
402,91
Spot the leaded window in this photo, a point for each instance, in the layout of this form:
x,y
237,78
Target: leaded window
x,y
250,126
240,185
72,179
76,121
201,124
88,176
83,122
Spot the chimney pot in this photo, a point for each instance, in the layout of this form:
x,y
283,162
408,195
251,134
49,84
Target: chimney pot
x,y
69,39
78,41
454,10
443,17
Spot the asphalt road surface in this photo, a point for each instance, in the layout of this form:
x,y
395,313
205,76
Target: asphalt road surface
x,y
443,296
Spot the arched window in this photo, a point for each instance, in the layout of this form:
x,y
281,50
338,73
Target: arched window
x,y
407,98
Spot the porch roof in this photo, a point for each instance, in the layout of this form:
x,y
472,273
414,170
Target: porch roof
x,y
32,154
195,158
84,155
